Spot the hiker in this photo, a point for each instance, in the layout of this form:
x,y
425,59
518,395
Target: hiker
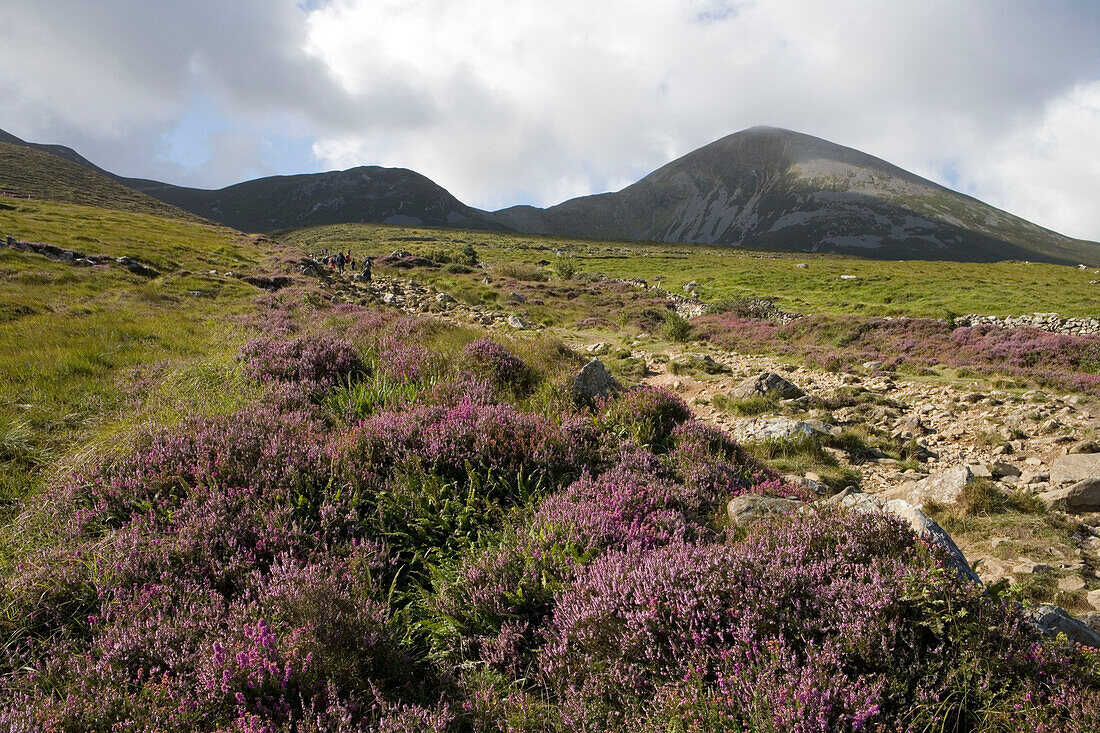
x,y
366,270
341,261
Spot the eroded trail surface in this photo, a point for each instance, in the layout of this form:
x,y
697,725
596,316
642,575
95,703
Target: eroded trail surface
x,y
1014,440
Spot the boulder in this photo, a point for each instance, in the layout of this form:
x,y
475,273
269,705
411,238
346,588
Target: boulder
x,y
594,382
1093,597
1053,620
757,430
941,487
1078,498
1001,470
750,508
143,270
1075,467
517,322
768,384
913,424
444,298
1034,477
921,523
1085,447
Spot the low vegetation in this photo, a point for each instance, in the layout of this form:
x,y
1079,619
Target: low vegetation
x,y
238,510
741,276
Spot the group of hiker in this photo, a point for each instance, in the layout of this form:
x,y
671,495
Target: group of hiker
x,y
342,260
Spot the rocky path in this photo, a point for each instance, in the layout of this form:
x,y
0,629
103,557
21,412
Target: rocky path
x,y
957,424
1015,440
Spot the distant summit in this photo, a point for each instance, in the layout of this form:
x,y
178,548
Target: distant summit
x,y
774,188
364,194
762,187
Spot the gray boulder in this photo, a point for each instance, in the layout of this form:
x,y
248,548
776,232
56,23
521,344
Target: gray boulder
x,y
757,430
594,382
517,322
1053,620
768,384
1001,469
137,268
748,509
1083,496
1075,467
941,487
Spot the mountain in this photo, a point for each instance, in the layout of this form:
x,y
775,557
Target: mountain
x,y
363,194
778,189
762,187
41,173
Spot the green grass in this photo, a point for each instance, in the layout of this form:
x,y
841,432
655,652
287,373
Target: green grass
x,y
85,353
40,175
914,288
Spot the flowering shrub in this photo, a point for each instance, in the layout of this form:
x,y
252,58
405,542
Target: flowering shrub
x,y
499,365
403,362
265,453
1060,360
842,622
712,467
621,508
313,363
451,440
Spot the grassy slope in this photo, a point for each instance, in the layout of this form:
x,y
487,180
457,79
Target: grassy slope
x,y
80,348
915,288
39,175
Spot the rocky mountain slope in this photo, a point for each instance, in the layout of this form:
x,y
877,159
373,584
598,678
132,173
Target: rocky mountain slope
x,y
774,188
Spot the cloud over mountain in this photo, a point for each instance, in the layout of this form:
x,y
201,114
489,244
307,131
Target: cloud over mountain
x,y
535,102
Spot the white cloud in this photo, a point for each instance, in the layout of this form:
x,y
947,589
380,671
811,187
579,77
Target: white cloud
x,y
540,101
508,102
1048,170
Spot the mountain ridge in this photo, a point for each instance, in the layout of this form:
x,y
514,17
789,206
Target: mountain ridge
x,y
764,187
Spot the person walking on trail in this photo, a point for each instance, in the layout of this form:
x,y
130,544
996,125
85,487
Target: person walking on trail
x,y
341,261
366,270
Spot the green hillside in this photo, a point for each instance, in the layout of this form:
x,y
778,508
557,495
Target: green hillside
x,y
79,346
797,282
29,173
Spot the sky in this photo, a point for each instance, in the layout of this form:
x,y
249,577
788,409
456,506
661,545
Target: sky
x,y
537,101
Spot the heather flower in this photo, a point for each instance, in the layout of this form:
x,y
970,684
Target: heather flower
x,y
812,623
313,363
499,365
713,468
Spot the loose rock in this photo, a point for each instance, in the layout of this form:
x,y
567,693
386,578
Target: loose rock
x,y
1075,467
1053,620
748,509
768,384
1081,497
594,382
